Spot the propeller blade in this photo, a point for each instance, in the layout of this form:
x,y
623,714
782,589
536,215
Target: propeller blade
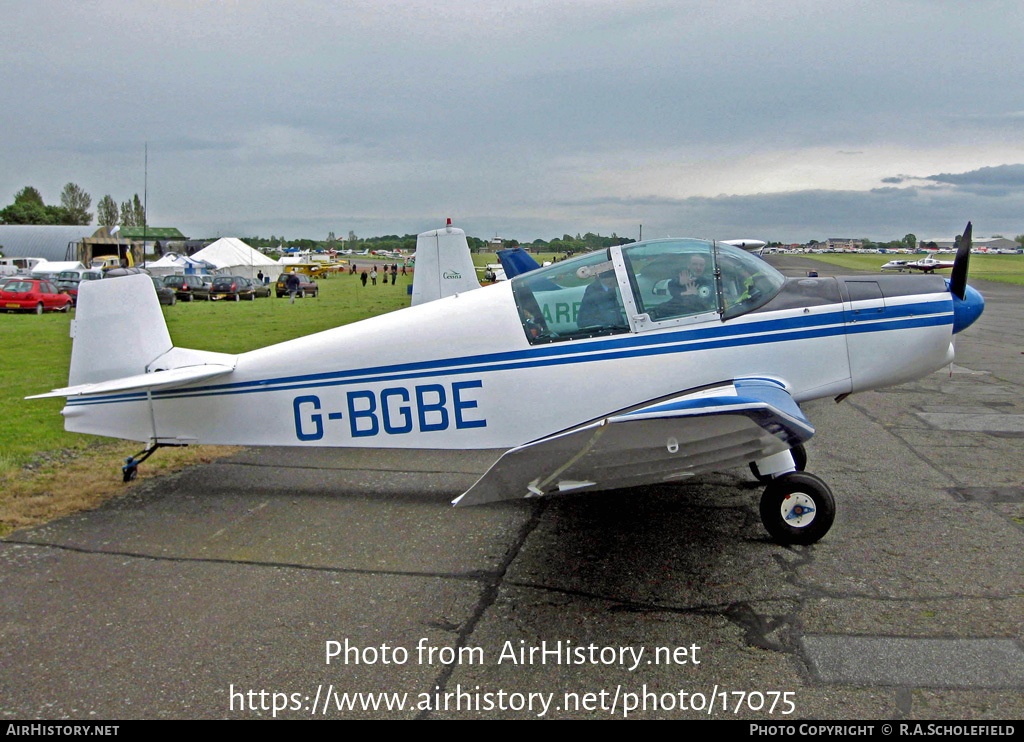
x,y
958,276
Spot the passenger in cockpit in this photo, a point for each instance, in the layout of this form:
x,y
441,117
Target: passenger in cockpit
x,y
600,305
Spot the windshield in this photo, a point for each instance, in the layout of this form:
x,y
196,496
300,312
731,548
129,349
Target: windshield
x,y
747,282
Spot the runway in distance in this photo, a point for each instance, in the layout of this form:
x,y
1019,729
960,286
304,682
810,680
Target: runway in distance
x,y
642,363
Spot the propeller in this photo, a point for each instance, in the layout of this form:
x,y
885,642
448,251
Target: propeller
x,y
958,276
968,304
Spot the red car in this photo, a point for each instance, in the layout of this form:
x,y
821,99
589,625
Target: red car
x,y
32,295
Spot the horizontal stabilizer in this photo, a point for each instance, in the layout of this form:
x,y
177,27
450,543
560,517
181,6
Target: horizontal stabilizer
x,y
157,380
669,439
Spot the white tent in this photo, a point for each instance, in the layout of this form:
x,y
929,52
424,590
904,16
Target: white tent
x,y
174,264
233,257
55,267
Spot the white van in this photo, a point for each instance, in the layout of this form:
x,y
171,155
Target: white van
x,y
12,266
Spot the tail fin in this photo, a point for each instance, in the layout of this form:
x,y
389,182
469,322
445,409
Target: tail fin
x,y
515,260
120,343
118,329
443,265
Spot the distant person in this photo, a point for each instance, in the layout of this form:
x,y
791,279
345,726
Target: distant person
x,y
373,276
363,278
292,284
259,277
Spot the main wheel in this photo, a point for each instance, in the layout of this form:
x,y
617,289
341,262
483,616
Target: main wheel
x,y
797,508
799,459
130,473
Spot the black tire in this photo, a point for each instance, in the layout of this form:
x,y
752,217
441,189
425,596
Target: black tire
x,y
797,508
66,307
39,308
302,294
799,458
236,297
130,473
190,297
174,299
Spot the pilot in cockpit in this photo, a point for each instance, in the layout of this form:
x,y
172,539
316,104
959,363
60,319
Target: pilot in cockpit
x,y
692,292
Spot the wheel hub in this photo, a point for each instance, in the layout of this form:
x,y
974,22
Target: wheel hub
x,y
798,510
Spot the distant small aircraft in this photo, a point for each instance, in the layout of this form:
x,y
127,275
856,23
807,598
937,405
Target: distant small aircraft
x,y
751,245
929,264
895,265
643,363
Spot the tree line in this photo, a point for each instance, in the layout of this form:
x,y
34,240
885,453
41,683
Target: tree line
x,y
28,208
407,243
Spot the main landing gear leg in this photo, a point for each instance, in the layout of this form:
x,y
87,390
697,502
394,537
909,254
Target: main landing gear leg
x,y
131,464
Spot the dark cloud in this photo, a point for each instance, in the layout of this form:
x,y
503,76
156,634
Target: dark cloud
x,y
1001,180
882,213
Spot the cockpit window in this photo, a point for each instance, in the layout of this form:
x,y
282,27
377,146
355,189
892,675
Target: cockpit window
x,y
672,278
747,281
577,298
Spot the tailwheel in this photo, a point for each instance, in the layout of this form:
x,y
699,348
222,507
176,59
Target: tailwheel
x,y
799,460
797,508
130,470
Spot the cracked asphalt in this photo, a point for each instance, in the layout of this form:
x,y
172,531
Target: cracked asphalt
x,y
196,592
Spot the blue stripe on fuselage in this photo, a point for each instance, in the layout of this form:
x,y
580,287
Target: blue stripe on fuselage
x,y
800,327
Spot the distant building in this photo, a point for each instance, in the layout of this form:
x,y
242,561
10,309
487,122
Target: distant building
x,y
843,243
998,243
54,243
152,239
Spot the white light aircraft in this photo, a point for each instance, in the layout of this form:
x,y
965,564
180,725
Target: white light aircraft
x,y
929,264
682,356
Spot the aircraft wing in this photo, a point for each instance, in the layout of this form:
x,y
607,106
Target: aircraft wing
x,y
667,440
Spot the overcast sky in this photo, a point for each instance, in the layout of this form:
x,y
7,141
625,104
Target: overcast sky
x,y
786,120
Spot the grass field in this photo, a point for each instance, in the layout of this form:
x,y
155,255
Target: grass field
x,y
35,350
1002,268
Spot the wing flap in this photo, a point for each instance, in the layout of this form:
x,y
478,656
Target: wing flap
x,y
707,430
156,380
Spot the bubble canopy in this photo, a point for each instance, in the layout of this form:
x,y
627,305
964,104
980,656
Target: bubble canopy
x,y
658,283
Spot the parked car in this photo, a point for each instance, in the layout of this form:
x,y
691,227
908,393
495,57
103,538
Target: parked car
x,y
231,288
165,294
32,295
259,288
188,287
307,286
67,281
